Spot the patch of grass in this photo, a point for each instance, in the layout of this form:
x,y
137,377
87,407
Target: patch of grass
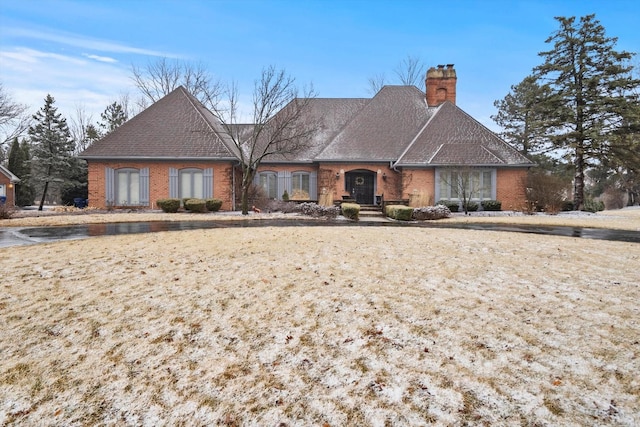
x,y
17,372
553,406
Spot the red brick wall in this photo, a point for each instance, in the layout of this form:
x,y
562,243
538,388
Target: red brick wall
x,y
159,179
388,181
510,188
9,189
419,181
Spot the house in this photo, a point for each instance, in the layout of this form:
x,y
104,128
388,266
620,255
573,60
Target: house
x,y
399,144
7,186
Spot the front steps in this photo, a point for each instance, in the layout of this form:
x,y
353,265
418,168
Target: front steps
x,y
371,213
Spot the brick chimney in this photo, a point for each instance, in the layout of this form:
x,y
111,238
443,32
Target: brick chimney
x,y
441,85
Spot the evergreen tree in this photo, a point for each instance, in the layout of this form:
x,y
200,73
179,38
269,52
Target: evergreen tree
x,y
112,117
53,147
589,87
521,116
19,166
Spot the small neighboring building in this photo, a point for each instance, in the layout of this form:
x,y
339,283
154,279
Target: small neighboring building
x,y
8,183
401,143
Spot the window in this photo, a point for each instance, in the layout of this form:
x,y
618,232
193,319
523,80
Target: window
x,y
474,184
300,185
269,183
127,187
191,183
3,190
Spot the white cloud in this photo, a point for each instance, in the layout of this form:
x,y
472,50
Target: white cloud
x,y
31,74
100,58
78,40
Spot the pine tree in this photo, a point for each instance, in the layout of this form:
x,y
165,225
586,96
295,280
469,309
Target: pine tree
x,y
19,166
53,147
589,84
112,117
521,114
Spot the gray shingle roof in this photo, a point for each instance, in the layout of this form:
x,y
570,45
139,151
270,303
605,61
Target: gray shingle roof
x,y
177,126
396,125
382,129
327,116
452,137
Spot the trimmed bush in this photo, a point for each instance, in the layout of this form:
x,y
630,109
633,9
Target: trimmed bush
x,y
195,205
399,212
315,210
168,205
491,205
453,205
591,205
350,210
285,196
213,205
431,213
472,206
184,202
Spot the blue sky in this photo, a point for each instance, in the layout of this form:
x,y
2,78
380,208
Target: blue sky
x,y
81,52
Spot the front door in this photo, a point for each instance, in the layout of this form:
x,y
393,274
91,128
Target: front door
x,y
360,184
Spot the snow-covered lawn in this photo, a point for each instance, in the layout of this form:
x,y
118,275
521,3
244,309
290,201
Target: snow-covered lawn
x,y
321,326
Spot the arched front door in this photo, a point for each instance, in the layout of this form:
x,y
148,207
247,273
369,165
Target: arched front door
x,y
361,185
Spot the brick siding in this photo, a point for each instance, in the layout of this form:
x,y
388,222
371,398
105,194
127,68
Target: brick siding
x,y
159,179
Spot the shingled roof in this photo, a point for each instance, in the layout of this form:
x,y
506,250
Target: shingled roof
x,y
177,126
396,126
452,137
382,129
326,116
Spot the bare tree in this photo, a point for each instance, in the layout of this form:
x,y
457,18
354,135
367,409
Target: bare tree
x,y
279,126
14,119
410,71
78,127
376,83
160,78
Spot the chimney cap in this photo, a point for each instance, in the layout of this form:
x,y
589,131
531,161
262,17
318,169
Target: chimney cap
x,y
440,66
449,65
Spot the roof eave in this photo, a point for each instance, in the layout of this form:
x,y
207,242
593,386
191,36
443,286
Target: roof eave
x,y
134,158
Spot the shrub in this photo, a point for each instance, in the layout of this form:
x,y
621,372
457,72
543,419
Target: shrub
x,y
453,205
299,195
279,206
544,191
184,202
471,206
6,211
431,212
567,205
350,210
591,205
168,205
419,199
613,198
213,205
195,205
315,210
285,196
491,205
399,212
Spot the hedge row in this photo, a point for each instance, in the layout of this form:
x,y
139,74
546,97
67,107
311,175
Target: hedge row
x,y
172,205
